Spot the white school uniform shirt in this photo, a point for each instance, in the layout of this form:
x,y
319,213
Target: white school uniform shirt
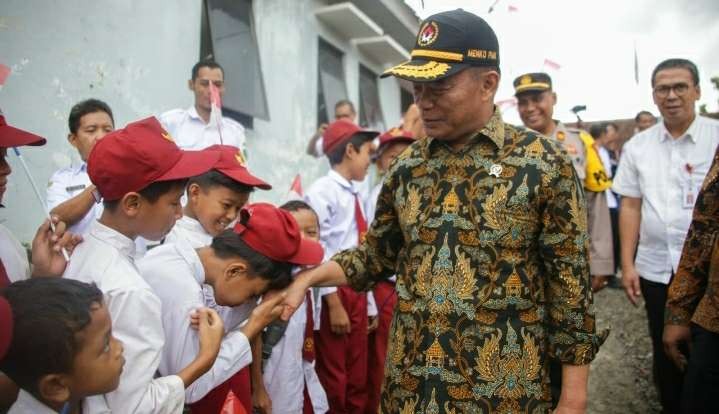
x,y
65,184
286,373
13,256
27,404
190,132
653,167
176,274
106,258
332,197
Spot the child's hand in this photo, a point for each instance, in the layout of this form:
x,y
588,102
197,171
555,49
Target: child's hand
x,y
47,258
211,330
266,312
373,324
339,320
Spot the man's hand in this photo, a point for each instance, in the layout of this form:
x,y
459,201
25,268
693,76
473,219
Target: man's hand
x,y
339,320
294,296
674,337
373,324
47,258
267,311
630,281
599,282
261,401
211,329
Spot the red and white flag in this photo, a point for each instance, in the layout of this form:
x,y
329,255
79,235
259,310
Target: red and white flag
x,y
296,192
216,109
4,73
507,103
551,64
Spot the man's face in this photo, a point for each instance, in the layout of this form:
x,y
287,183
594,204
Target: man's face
x,y
5,171
645,121
536,109
201,85
345,112
156,219
93,127
449,107
216,207
675,94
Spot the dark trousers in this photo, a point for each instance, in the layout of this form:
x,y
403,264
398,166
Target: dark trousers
x,y
614,217
667,377
701,383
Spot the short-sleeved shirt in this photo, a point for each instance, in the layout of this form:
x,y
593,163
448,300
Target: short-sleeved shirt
x,y
489,244
13,256
190,132
659,170
65,184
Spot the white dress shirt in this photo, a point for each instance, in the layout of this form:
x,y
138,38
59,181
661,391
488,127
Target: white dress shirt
x,y
190,230
286,373
190,132
105,258
660,170
13,256
176,274
27,404
65,184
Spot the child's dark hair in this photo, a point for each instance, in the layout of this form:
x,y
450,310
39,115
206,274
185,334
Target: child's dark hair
x,y
152,192
214,178
296,205
338,153
229,244
48,313
88,106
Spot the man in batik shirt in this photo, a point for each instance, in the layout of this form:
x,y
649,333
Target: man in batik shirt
x,y
485,226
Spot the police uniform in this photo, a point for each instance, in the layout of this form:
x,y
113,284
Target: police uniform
x,y
67,183
579,146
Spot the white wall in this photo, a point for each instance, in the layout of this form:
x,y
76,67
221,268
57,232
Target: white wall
x,y
136,55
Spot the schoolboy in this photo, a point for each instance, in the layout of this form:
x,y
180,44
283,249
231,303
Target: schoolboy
x,y
140,174
241,264
391,144
62,349
342,337
70,192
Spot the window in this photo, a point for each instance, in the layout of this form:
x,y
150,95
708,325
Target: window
x,y
228,36
331,86
370,111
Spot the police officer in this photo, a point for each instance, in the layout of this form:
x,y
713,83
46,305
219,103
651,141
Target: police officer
x,y
535,102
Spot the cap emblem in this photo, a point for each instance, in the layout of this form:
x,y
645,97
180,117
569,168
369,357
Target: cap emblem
x,y
240,158
167,136
428,34
525,80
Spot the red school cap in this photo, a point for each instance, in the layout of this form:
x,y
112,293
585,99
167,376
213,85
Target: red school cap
x,y
274,233
232,164
395,135
341,131
131,158
14,137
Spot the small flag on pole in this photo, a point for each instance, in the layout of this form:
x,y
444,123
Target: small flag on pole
x,y
512,9
296,192
551,64
4,73
216,109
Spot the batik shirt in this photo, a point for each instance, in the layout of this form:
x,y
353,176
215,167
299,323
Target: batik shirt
x,y
489,244
694,291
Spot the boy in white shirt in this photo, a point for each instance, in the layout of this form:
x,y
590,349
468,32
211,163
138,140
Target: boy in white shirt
x,y
240,264
140,173
342,337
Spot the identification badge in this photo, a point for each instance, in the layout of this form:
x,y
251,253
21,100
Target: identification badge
x,y
75,188
689,197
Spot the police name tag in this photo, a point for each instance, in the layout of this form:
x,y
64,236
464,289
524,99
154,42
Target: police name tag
x,y
689,197
73,188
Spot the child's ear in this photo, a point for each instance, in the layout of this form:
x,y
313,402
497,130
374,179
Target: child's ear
x,y
235,270
54,388
350,151
193,192
131,203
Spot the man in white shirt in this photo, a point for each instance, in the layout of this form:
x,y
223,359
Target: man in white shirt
x,y
191,128
660,172
70,192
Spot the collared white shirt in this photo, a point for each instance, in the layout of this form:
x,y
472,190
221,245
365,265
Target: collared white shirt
x,y
286,373
190,230
27,404
106,258
65,184
13,256
176,274
659,169
190,132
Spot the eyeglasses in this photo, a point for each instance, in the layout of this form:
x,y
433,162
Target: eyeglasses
x,y
662,91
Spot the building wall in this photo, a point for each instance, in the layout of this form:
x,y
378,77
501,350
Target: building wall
x,y
64,51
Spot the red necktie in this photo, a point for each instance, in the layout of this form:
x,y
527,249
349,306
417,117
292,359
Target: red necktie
x,y
308,348
4,279
361,221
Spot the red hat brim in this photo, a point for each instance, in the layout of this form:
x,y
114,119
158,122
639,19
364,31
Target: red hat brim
x,y
14,137
309,253
243,176
191,164
6,326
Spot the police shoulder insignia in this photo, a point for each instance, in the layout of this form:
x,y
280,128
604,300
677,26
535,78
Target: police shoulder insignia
x,y
561,135
428,34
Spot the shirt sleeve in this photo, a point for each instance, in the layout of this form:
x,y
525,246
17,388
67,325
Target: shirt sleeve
x,y
139,327
376,257
626,182
56,192
563,252
322,206
183,345
371,305
690,282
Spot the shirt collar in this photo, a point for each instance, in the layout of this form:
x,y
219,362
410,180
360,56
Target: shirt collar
x,y
690,133
114,238
192,112
493,129
190,224
190,256
81,169
26,403
345,183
